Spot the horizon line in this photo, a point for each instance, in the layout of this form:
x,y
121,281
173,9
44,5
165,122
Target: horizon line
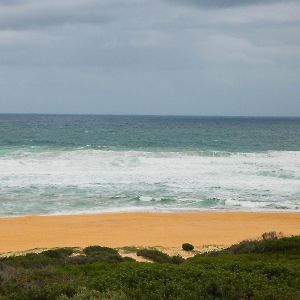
x,y
149,115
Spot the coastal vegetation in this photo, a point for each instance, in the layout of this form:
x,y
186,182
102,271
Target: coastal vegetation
x,y
187,247
263,269
159,257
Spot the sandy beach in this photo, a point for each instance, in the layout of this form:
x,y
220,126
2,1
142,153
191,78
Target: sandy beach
x,y
141,229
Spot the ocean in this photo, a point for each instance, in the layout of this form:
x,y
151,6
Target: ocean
x,y
69,164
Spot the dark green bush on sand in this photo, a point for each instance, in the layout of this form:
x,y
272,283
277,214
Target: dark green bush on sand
x,y
59,253
95,250
263,270
158,256
103,254
187,247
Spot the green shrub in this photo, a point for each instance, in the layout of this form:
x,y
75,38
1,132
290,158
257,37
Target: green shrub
x,y
59,253
261,270
158,256
98,253
176,259
268,245
78,260
128,259
187,247
86,294
95,250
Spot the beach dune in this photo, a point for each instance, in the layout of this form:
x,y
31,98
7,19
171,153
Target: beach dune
x,y
141,229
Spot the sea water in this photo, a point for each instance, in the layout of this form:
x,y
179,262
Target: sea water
x,y
65,164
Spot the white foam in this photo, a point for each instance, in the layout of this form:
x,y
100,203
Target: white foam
x,y
90,179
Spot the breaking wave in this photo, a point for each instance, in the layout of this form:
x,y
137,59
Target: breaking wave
x,y
44,181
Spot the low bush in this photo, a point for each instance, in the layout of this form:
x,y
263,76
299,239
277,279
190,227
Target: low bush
x,y
176,259
59,253
102,254
86,294
187,247
267,245
158,256
95,250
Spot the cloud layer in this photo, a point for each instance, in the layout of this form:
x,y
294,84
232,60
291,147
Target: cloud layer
x,y
226,3
161,56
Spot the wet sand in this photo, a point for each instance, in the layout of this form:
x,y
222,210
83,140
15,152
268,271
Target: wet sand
x,y
167,230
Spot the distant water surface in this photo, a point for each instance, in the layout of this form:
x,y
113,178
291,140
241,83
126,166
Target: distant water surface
x,y
59,164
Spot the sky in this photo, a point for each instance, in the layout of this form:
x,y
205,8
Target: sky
x,y
177,57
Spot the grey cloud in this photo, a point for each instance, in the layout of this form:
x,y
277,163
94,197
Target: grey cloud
x,y
37,15
140,56
11,2
224,3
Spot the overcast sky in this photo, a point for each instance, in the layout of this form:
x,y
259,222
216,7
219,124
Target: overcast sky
x,y
199,57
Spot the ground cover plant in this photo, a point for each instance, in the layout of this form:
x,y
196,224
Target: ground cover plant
x,y
264,269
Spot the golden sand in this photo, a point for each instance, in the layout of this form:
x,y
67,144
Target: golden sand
x,y
167,230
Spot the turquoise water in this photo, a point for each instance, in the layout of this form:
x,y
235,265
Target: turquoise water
x,y
58,164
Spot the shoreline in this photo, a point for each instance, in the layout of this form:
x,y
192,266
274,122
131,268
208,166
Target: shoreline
x,y
143,229
175,211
